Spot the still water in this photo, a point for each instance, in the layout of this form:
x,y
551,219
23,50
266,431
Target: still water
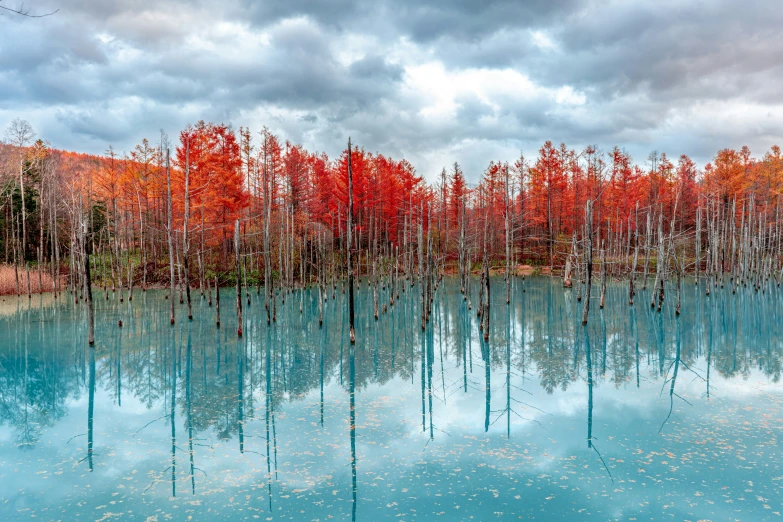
x,y
639,416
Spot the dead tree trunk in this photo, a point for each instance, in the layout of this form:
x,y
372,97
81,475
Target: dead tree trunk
x,y
217,302
349,249
88,287
658,261
647,250
463,269
485,312
421,271
603,277
24,215
508,243
588,258
239,278
267,247
169,233
186,219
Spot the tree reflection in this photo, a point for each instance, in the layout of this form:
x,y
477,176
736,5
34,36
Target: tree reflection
x,y
352,399
589,362
173,418
207,384
189,409
673,378
90,406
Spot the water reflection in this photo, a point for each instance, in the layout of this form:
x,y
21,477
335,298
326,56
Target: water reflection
x,y
90,406
352,430
424,416
173,418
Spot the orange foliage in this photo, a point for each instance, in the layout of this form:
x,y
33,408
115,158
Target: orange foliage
x,y
547,194
217,190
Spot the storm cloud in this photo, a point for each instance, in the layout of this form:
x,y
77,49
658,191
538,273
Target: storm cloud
x,y
433,81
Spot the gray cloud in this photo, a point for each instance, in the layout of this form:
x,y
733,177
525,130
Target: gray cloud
x,y
432,81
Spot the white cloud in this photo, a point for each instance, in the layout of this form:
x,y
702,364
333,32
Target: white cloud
x,y
543,41
567,96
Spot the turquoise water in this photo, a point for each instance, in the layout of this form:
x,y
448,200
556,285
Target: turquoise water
x,y
639,416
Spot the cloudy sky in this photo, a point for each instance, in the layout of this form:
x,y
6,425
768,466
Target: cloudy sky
x,y
431,80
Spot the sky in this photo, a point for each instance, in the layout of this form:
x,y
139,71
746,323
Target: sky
x,y
434,81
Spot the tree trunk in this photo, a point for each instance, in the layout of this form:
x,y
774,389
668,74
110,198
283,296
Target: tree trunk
x,y
217,302
588,258
169,234
239,278
185,220
88,287
349,249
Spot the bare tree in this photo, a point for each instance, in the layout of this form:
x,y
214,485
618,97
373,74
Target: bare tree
x,y
508,237
20,134
239,276
349,249
88,286
588,258
185,242
169,228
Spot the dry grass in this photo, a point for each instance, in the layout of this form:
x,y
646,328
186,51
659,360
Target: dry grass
x,y
8,281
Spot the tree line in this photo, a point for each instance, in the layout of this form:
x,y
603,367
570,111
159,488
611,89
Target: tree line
x,y
226,206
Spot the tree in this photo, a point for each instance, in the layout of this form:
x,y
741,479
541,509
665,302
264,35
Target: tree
x,y
20,134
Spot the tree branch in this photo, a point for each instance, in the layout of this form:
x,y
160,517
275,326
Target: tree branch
x,y
22,12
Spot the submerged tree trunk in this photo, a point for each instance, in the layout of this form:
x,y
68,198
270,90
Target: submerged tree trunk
x,y
186,218
169,234
588,259
239,278
508,243
485,312
603,278
88,287
217,302
464,270
349,249
647,250
267,247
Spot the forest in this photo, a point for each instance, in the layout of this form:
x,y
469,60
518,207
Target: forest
x,y
222,206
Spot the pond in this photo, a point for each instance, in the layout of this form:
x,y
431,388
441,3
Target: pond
x,y
641,415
